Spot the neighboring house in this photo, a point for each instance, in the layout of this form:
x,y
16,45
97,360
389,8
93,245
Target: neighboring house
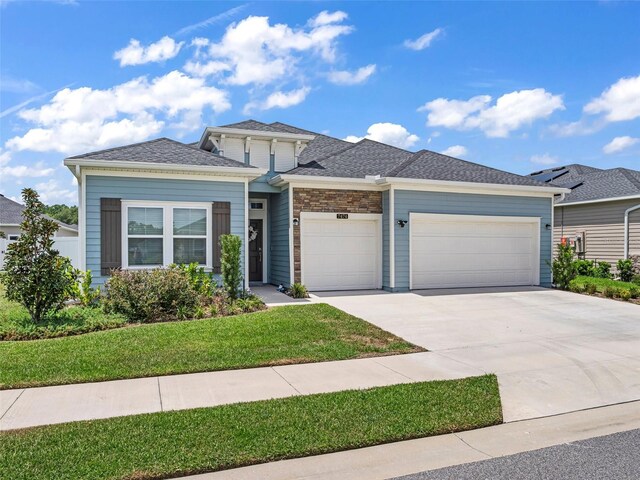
x,y
11,218
601,214
313,209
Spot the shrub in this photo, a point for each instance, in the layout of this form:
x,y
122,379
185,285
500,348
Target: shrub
x,y
636,279
576,287
634,292
624,294
602,270
36,276
610,292
249,303
230,264
83,291
298,290
591,288
563,267
151,295
625,270
200,280
585,268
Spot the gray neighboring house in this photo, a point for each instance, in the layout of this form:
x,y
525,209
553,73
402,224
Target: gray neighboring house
x,y
314,209
11,218
601,214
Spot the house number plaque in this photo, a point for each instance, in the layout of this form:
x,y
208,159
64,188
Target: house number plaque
x,y
342,216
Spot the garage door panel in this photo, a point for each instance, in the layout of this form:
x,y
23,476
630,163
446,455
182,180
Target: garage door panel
x,y
340,254
461,251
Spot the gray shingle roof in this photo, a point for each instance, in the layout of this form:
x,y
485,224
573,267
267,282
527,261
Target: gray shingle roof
x,y
429,165
355,160
162,150
594,183
11,213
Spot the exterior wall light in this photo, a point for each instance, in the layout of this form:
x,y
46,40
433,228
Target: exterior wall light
x,y
402,223
296,222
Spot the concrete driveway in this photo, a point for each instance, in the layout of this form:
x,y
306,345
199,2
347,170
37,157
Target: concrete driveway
x,y
554,352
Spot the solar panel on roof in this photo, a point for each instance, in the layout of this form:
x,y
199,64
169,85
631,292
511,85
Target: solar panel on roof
x,y
549,176
571,185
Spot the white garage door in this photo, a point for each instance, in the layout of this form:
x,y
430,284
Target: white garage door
x,y
449,251
340,253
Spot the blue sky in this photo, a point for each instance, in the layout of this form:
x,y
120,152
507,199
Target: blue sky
x,y
517,86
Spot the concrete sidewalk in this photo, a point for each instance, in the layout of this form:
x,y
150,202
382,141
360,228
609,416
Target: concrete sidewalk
x,y
22,408
412,456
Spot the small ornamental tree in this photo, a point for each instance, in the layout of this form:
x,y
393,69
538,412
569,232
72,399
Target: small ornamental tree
x,y
230,246
35,274
563,267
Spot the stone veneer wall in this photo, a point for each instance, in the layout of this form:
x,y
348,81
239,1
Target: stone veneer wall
x,y
324,200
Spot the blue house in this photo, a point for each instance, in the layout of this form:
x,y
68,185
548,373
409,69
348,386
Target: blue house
x,y
310,208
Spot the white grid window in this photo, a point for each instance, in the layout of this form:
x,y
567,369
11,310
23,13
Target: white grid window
x,y
162,233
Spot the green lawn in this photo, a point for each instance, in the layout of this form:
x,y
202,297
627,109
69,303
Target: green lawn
x,y
602,283
15,323
164,445
280,335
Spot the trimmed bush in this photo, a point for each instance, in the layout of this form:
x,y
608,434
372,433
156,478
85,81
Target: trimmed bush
x,y
634,292
151,295
36,276
610,292
602,270
585,267
625,270
624,294
83,292
590,288
230,264
575,287
201,281
563,267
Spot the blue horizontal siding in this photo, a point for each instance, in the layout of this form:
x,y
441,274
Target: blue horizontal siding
x,y
407,201
168,190
279,235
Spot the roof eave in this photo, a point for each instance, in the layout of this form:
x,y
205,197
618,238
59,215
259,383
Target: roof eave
x,y
74,164
244,132
600,200
473,185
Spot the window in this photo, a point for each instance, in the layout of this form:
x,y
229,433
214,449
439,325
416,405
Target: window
x,y
13,238
162,233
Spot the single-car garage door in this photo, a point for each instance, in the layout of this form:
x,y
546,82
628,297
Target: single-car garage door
x,y
448,251
340,251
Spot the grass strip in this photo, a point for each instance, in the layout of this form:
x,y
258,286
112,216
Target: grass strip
x,y
281,335
602,283
169,444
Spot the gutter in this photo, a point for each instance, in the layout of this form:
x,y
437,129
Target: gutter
x,y
626,229
74,166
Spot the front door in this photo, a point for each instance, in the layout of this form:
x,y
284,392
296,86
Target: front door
x,y
255,250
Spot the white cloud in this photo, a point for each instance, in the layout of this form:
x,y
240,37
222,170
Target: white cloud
x,y
5,157
544,159
137,54
260,53
621,101
37,170
424,41
389,133
206,69
278,99
52,192
455,151
82,119
620,143
344,77
17,85
325,18
510,112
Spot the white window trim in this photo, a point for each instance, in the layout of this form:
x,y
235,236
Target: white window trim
x,y
167,236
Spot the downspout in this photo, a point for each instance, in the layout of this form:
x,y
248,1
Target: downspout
x,y
626,229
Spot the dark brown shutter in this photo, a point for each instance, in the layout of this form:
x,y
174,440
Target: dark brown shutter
x,y
110,234
221,226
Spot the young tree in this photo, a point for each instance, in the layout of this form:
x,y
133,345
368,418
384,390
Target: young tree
x,y
230,264
35,274
564,267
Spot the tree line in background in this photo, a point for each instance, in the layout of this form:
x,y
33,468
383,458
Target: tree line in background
x,y
62,213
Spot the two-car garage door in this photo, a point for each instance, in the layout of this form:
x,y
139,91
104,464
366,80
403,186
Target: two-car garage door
x,y
448,251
